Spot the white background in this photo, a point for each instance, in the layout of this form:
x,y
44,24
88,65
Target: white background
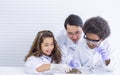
x,y
20,20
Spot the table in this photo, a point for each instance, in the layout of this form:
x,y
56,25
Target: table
x,y
20,71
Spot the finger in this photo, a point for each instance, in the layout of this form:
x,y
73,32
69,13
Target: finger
x,y
68,69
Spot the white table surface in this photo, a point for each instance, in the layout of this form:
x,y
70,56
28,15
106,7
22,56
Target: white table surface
x,y
20,71
12,71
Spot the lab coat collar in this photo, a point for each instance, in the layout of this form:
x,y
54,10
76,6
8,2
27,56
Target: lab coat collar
x,y
46,57
89,49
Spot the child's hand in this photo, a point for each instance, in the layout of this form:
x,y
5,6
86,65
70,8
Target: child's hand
x,y
107,62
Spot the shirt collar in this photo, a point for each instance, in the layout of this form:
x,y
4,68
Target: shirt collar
x,y
46,57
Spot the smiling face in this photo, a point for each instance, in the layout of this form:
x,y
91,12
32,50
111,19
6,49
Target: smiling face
x,y
47,46
74,32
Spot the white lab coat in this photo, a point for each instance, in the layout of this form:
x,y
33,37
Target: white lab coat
x,y
33,62
91,59
67,49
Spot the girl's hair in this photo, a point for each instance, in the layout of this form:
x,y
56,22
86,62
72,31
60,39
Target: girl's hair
x,y
36,51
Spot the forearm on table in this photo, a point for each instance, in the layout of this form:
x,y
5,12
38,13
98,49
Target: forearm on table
x,y
43,67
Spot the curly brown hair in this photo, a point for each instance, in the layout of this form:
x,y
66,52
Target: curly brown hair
x,y
98,26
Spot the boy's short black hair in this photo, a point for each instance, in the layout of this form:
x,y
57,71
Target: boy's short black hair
x,y
73,20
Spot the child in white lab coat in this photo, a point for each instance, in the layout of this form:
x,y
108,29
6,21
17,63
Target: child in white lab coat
x,y
94,52
44,55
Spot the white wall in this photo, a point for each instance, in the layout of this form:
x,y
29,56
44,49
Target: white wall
x,y
20,20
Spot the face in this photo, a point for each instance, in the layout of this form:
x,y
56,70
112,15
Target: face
x,y
47,46
92,40
74,32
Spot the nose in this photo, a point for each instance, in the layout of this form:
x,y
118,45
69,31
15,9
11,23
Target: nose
x,y
91,45
74,38
50,47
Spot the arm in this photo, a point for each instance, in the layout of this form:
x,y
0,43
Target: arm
x,y
35,66
62,67
43,67
104,53
110,53
31,65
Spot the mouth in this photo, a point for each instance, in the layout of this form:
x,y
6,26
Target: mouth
x,y
75,40
48,51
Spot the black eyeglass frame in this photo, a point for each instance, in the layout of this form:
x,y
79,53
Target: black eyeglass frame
x,y
92,41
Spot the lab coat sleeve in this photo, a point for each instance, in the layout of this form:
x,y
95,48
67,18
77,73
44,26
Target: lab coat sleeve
x,y
104,53
111,54
69,59
31,64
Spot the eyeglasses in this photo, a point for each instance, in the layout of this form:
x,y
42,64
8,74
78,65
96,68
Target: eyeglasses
x,y
72,34
95,42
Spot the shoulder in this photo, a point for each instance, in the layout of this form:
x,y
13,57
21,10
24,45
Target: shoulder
x,y
106,44
82,43
82,46
33,58
61,35
61,38
33,61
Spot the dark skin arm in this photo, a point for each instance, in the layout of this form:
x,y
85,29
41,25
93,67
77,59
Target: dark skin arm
x,y
107,62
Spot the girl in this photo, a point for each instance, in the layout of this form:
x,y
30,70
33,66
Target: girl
x,y
44,55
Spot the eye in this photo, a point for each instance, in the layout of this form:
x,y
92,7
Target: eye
x,y
85,37
52,44
78,32
69,33
45,45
